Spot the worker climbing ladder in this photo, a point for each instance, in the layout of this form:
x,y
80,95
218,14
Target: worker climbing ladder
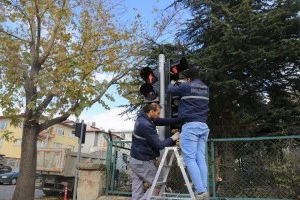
x,y
162,194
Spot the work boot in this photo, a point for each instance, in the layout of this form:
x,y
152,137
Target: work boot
x,y
202,196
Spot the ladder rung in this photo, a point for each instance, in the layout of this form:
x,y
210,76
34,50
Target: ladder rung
x,y
176,194
160,183
170,197
162,194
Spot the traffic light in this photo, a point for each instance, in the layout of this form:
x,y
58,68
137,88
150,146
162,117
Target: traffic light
x,y
77,131
175,101
176,67
150,89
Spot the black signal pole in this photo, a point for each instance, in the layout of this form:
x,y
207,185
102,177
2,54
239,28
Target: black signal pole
x,y
78,160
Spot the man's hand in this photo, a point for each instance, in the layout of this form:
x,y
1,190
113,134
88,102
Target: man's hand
x,y
175,136
181,81
173,82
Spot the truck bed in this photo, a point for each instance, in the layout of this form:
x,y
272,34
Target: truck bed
x,y
62,161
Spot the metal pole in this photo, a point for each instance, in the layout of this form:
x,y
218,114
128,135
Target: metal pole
x,y
161,65
78,161
162,102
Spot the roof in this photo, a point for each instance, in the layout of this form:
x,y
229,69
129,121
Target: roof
x,y
93,129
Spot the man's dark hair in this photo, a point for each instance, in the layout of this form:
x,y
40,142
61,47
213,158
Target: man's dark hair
x,y
151,106
191,73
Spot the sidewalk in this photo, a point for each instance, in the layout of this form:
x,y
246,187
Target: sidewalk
x,y
114,198
100,198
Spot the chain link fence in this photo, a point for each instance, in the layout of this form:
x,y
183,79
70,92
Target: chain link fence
x,y
244,168
118,179
255,167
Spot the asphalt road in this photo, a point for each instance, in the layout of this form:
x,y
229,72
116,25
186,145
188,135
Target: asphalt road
x,y
7,191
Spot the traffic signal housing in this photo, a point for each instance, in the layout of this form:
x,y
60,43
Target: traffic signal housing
x,y
175,101
150,89
77,131
176,67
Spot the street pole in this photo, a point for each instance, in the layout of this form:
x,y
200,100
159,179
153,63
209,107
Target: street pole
x,y
161,65
78,161
162,102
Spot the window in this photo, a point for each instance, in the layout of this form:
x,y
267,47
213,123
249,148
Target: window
x,y
57,145
96,140
60,131
72,148
3,125
21,124
18,142
1,142
41,143
71,135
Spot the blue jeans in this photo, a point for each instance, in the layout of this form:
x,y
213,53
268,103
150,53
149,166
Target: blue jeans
x,y
193,140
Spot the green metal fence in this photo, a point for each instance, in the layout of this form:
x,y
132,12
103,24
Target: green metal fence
x,y
261,168
118,175
239,168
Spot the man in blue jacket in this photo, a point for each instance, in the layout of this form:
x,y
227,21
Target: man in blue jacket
x,y
193,110
146,146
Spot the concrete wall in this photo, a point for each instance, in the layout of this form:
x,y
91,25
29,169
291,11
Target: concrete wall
x,y
91,181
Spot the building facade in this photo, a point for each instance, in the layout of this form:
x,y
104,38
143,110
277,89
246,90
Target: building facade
x,y
57,136
96,140
62,136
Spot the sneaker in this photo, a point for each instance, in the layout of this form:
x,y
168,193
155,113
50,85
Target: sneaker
x,y
202,196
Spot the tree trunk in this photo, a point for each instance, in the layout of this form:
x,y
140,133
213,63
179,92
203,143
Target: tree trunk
x,y
26,182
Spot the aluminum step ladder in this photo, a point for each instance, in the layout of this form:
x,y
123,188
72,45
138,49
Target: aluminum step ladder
x,y
162,185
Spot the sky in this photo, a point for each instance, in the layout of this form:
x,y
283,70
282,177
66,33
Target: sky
x,y
110,119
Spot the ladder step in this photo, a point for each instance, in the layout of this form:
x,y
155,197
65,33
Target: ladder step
x,y
162,193
172,196
160,183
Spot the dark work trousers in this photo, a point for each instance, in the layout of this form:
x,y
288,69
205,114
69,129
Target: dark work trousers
x,y
142,171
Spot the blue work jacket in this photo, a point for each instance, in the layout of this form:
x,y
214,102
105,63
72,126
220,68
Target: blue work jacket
x,y
146,143
194,100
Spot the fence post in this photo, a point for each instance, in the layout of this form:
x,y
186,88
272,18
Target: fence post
x,y
108,163
213,168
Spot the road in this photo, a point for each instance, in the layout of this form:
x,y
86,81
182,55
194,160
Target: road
x,y
6,193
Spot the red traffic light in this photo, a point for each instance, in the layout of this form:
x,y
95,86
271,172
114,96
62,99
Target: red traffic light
x,y
149,89
176,67
148,75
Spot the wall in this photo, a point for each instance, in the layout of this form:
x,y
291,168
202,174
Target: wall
x,y
11,148
91,181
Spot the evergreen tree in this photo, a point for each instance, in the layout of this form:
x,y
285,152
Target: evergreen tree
x,y
250,53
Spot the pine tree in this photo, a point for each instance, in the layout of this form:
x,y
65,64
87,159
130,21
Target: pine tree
x,y
250,53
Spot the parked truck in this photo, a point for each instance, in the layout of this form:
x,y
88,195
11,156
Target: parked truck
x,y
56,168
